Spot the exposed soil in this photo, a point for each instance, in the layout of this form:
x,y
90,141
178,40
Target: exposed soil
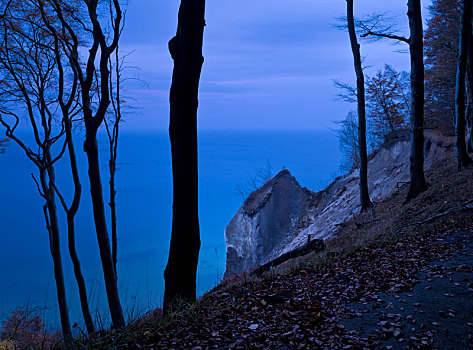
x,y
393,278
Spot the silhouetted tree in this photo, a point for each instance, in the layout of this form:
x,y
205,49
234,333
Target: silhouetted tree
x,y
374,27
38,78
186,51
465,39
360,94
27,82
112,125
96,66
417,179
67,98
469,95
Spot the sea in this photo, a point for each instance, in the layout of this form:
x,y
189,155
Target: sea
x,y
227,160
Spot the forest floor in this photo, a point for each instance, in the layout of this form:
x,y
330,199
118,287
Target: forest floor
x,y
399,276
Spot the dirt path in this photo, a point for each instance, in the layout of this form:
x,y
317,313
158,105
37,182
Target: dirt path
x,y
414,292
438,312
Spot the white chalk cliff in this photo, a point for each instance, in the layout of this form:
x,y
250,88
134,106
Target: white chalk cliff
x,y
279,216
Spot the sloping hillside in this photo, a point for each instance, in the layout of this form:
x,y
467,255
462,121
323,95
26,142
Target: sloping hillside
x,y
279,216
399,276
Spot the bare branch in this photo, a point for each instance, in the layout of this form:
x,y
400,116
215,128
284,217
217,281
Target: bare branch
x,y
348,92
386,36
38,187
379,26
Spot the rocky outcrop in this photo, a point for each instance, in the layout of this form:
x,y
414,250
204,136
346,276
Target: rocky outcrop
x,y
279,216
267,221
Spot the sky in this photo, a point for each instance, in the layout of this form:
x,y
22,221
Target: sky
x,y
266,67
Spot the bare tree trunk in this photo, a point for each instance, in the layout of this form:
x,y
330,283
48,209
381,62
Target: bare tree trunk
x,y
417,183
469,96
469,82
360,85
463,159
50,215
113,144
70,214
93,120
89,324
91,148
186,51
66,107
113,214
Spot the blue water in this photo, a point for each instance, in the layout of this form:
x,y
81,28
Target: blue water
x,y
144,199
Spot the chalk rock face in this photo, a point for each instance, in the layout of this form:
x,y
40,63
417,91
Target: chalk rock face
x,y
267,221
279,216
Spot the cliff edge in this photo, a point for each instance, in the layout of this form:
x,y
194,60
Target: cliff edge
x,y
279,216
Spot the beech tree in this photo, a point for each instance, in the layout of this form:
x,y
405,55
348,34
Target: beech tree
x,y
42,69
112,126
186,51
37,78
388,104
441,52
67,92
95,101
469,95
464,42
27,83
416,48
379,30
348,141
360,95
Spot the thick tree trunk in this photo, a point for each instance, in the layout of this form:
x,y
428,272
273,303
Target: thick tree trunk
x,y
90,147
71,213
465,36
360,87
186,51
417,183
50,215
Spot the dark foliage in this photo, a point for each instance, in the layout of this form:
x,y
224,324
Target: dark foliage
x,y
441,50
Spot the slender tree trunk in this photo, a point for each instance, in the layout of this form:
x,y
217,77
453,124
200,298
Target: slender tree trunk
x,y
78,275
463,159
113,138
91,148
417,183
186,51
50,215
469,81
70,214
360,87
469,110
113,214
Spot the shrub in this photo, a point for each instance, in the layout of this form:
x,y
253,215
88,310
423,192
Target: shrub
x,y
25,330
